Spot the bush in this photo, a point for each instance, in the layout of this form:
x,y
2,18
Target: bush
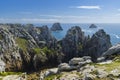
x,y
22,43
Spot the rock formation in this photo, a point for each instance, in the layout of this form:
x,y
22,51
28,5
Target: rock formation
x,y
93,26
27,47
56,27
99,43
19,42
72,43
114,50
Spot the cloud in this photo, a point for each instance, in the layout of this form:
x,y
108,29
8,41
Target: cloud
x,y
118,9
54,16
63,16
27,20
24,12
87,7
117,14
38,20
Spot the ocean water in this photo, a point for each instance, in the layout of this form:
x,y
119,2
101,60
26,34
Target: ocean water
x,y
112,29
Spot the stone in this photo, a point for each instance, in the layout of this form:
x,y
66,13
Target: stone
x,y
101,73
115,72
114,50
50,72
100,59
65,67
86,58
75,61
2,66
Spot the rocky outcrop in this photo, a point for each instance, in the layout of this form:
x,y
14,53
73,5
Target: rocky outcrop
x,y
93,26
18,41
76,43
72,43
114,50
74,64
99,43
26,47
56,27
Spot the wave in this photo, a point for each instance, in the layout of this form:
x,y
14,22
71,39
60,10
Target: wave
x,y
117,36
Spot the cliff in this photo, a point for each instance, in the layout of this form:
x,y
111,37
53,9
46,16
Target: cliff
x,y
31,48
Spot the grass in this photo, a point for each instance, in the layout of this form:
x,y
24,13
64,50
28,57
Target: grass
x,y
108,67
45,50
37,50
10,73
51,77
22,43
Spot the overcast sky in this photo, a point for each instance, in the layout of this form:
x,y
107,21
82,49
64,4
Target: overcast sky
x,y
64,11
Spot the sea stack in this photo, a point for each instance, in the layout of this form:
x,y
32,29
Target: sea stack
x,y
93,26
56,27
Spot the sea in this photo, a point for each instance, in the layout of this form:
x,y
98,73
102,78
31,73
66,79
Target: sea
x,y
113,29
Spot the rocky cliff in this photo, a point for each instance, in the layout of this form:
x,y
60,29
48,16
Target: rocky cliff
x,y
73,42
76,43
21,44
97,44
28,47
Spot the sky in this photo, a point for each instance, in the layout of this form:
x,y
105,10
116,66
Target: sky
x,y
64,11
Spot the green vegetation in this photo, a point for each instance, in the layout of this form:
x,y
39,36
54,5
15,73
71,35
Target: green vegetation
x,y
51,77
108,67
22,43
45,50
1,37
10,73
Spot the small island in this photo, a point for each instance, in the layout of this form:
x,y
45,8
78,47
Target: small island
x,y
56,27
93,26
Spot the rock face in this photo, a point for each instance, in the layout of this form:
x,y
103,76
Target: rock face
x,y
99,43
27,47
114,50
56,27
18,42
76,43
93,26
72,43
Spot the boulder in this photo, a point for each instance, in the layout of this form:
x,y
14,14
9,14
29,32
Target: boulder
x,y
65,67
101,59
101,74
114,50
76,61
82,64
86,58
56,27
50,72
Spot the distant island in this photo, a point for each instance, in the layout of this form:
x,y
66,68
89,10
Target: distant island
x,y
92,26
56,27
